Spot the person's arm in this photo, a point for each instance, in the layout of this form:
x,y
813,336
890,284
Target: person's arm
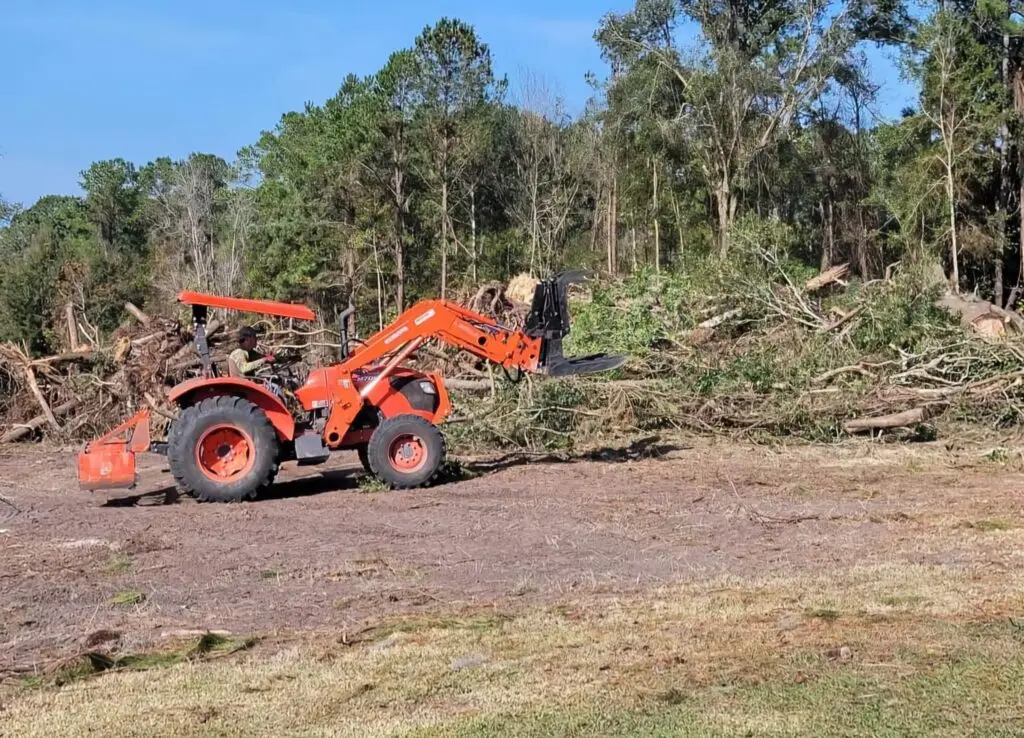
x,y
241,361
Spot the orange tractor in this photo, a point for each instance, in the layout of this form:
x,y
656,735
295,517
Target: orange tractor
x,y
231,434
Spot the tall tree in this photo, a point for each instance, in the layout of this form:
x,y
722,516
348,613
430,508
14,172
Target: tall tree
x,y
393,105
113,197
455,82
961,99
762,62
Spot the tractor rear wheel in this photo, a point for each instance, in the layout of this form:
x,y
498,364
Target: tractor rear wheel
x,y
223,449
406,451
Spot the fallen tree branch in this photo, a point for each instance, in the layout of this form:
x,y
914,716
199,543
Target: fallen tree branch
x,y
22,430
30,377
859,368
137,314
845,318
47,361
885,422
719,319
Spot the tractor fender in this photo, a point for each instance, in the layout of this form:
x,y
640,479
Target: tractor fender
x,y
194,390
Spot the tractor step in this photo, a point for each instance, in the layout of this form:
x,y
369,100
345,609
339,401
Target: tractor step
x,y
310,449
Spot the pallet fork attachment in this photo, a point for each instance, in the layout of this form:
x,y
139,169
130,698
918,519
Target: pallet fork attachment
x,y
109,461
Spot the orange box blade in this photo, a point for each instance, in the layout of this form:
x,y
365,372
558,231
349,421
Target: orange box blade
x,y
106,467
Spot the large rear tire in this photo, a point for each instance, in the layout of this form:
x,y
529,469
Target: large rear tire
x,y
223,449
406,451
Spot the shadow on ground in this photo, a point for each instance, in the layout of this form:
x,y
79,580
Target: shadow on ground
x,y
643,448
337,480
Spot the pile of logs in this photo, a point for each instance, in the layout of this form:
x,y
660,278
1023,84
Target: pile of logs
x,y
72,394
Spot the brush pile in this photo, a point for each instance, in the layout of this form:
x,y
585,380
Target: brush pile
x,y
761,349
90,388
766,350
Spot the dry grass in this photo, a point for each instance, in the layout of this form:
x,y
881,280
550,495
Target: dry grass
x,y
875,651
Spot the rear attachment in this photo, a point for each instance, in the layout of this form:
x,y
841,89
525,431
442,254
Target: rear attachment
x,y
109,461
549,321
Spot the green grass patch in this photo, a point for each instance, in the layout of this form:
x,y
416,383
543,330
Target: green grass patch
x,y
93,663
120,563
128,598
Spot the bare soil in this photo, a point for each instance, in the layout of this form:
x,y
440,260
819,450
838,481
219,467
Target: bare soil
x,y
79,569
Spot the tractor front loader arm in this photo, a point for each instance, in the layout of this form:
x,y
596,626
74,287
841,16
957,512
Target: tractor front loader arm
x,y
535,349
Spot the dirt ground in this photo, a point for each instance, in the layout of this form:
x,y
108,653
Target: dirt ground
x,y
128,570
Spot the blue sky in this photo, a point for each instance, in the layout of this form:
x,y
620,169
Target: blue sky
x,y
98,79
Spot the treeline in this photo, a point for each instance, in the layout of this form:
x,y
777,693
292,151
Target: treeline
x,y
435,174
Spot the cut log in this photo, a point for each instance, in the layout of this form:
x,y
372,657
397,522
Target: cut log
x,y
25,429
137,314
719,319
883,422
981,316
159,335
83,354
468,385
827,277
72,324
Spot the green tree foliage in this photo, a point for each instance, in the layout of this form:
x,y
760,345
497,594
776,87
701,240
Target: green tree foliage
x,y
723,128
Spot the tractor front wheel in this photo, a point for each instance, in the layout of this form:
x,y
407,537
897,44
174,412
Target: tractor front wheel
x,y
405,451
364,457
223,449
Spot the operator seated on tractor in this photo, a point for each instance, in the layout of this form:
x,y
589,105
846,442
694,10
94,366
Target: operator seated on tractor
x,y
245,360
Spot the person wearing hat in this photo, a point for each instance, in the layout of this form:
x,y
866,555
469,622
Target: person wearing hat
x,y
245,360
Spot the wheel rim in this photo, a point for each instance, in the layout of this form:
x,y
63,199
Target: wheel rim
x,y
408,453
225,453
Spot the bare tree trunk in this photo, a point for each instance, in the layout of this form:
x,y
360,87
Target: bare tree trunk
x,y
350,275
472,234
1002,207
69,316
534,222
444,238
613,226
826,259
657,232
953,245
723,197
862,244
398,190
380,291
399,273
608,238
632,238
596,225
679,221
828,218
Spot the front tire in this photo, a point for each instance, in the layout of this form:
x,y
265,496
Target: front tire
x,y
364,458
406,451
223,449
